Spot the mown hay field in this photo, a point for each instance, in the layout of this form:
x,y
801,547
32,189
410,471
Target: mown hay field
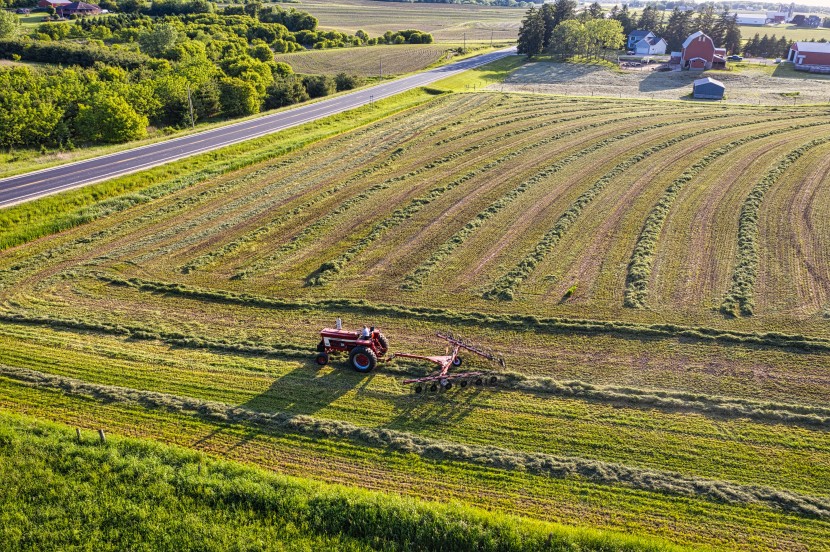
x,y
448,23
368,61
653,273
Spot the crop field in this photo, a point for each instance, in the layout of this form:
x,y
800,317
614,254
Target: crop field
x,y
367,61
448,23
654,274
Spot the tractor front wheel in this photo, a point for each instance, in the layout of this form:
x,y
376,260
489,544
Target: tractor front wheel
x,y
321,359
363,359
384,343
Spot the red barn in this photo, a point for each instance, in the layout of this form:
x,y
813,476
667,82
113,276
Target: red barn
x,y
699,52
810,56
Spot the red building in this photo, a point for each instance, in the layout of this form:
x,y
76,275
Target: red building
x,y
699,52
810,56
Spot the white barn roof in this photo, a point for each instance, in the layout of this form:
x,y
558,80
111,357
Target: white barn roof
x,y
708,80
818,47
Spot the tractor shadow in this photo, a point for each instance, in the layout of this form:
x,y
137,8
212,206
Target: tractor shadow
x,y
415,411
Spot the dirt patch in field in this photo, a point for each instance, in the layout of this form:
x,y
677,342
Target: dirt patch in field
x,y
749,86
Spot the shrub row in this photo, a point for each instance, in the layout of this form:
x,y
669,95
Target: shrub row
x,y
505,287
330,268
739,299
642,258
70,53
398,441
550,325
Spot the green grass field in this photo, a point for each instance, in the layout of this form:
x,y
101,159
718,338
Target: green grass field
x,y
594,243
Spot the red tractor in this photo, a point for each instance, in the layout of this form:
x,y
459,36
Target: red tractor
x,y
364,347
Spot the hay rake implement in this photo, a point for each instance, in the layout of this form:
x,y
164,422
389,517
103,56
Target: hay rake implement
x,y
443,379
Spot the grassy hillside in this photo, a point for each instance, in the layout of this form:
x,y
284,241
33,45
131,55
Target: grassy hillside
x,y
664,327
62,493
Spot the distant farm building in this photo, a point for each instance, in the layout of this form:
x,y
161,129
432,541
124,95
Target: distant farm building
x,y
751,18
650,46
77,8
637,36
708,89
810,56
699,53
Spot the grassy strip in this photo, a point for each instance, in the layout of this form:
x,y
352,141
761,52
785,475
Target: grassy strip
x,y
739,300
504,287
88,488
404,442
52,214
330,268
642,258
551,325
669,401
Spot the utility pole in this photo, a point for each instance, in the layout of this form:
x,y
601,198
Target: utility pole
x,y
190,105
491,37
381,67
465,43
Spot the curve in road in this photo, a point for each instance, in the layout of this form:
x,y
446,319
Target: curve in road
x,y
37,184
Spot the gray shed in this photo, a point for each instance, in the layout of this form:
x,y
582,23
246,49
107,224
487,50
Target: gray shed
x,y
708,89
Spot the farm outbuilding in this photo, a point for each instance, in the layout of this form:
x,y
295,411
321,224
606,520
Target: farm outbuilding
x,y
708,89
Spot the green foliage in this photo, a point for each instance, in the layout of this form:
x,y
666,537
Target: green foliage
x,y
286,91
109,118
9,24
237,97
319,85
158,41
532,33
344,81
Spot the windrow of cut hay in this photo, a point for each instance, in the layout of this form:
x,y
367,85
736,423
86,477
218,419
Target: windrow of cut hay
x,y
739,300
810,416
329,269
403,442
551,325
505,287
642,258
415,279
158,482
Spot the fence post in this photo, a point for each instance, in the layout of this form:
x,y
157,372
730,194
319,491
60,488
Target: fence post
x,y
102,436
78,433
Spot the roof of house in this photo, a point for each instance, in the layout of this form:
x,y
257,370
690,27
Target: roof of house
x,y
709,80
693,36
80,6
818,47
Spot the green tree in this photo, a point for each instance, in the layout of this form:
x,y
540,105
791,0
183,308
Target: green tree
x,y
708,23
159,40
262,52
532,33
729,32
9,24
595,11
563,10
238,97
131,6
569,38
678,27
624,17
109,118
318,86
284,91
648,20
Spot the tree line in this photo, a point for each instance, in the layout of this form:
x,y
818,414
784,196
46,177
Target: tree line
x,y
556,28
131,70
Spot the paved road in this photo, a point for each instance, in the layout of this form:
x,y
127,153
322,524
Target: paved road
x,y
33,185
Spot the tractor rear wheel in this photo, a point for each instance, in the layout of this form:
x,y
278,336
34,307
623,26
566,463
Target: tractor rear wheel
x,y
321,359
384,343
363,359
